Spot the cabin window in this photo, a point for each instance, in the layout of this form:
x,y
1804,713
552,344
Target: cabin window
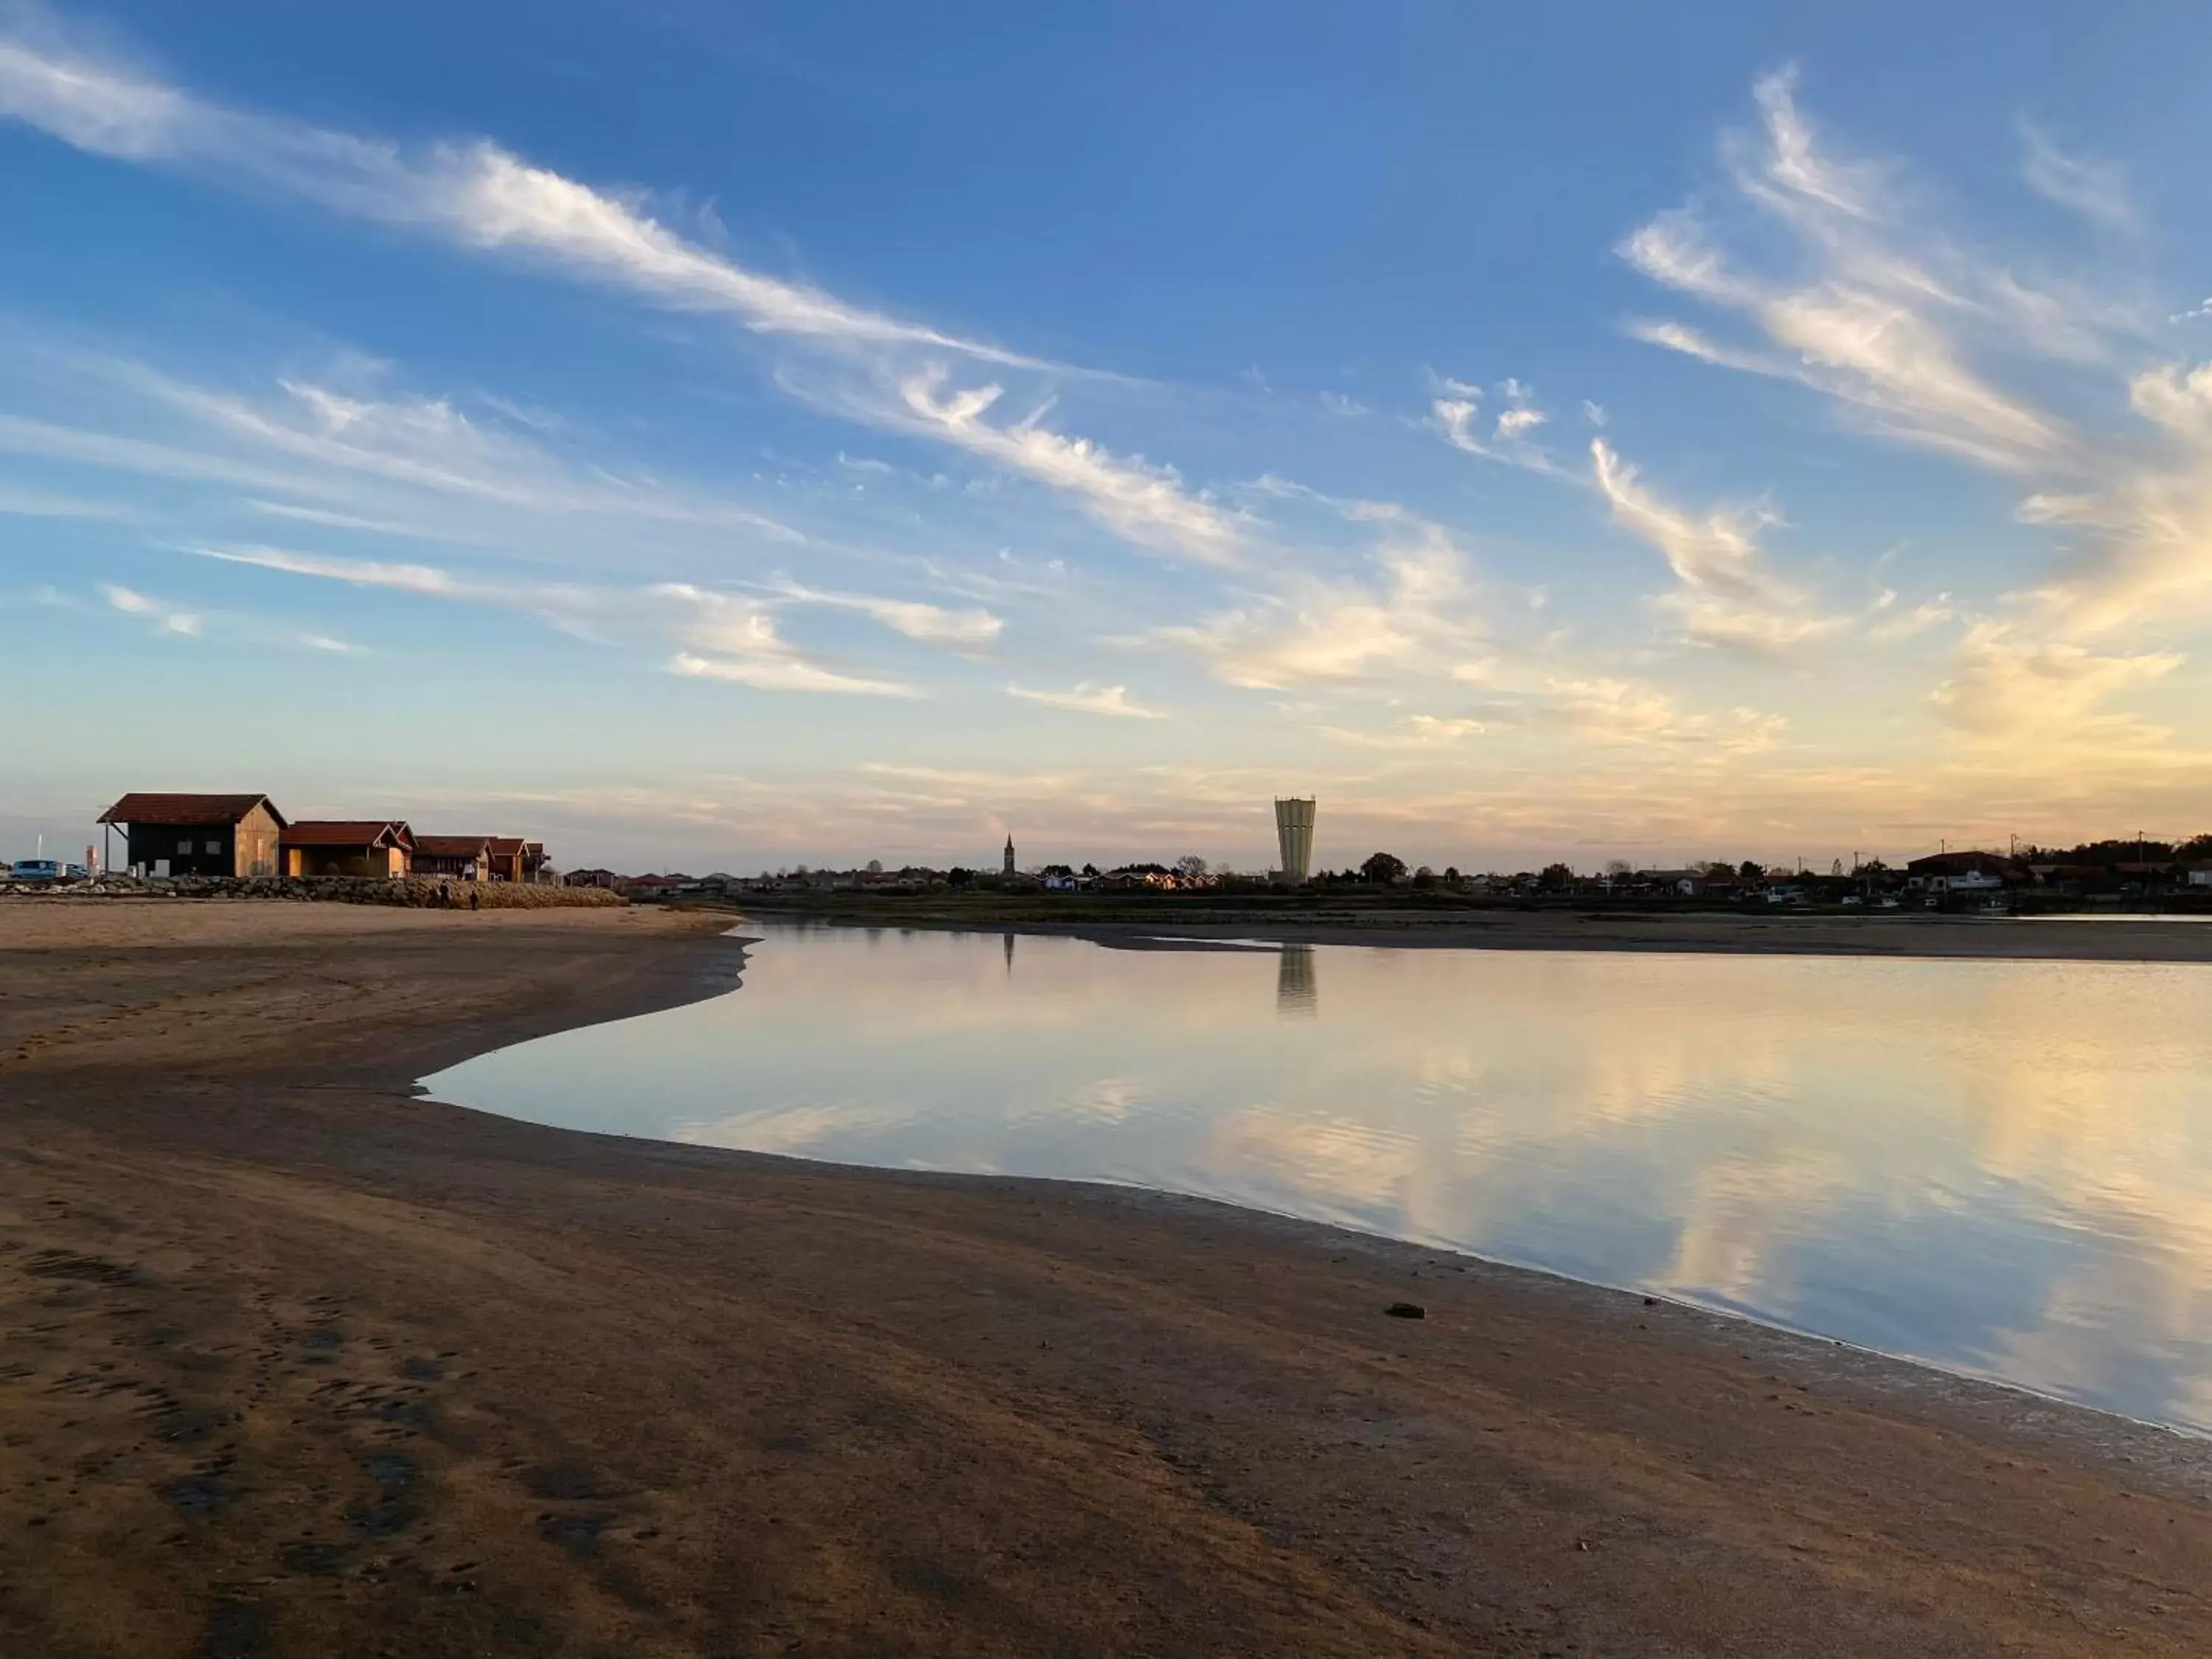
x,y
185,846
214,847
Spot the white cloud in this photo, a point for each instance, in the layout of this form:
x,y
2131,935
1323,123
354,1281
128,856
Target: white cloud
x,y
1728,596
472,194
723,637
1085,699
1319,631
1146,504
1457,417
167,618
2097,190
2145,548
1349,408
933,624
740,632
771,673
2012,688
357,573
1868,321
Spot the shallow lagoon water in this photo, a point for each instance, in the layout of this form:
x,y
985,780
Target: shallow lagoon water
x,y
2003,1168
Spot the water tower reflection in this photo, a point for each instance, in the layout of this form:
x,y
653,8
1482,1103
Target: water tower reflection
x,y
1297,994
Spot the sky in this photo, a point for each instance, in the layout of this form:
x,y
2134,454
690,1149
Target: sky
x,y
727,437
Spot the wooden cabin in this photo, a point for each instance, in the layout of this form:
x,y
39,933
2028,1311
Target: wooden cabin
x,y
455,857
197,834
347,846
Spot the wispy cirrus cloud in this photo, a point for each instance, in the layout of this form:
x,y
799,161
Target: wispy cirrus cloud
x,y
2086,184
1867,319
1314,630
1088,698
39,504
770,672
719,636
1896,322
1728,597
355,572
2143,531
478,197
1144,503
963,630
470,193
1509,434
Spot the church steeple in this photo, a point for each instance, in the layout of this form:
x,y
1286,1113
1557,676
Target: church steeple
x,y
1010,856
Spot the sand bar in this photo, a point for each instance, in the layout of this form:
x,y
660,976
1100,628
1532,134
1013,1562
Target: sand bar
x,y
294,1362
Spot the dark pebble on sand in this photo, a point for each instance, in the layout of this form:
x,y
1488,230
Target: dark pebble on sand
x,y
1407,1310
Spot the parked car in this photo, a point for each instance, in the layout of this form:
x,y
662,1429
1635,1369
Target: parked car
x,y
35,870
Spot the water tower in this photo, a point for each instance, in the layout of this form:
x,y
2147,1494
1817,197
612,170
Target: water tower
x,y
1294,822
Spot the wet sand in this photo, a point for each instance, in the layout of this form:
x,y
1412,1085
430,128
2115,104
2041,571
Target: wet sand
x,y
295,1362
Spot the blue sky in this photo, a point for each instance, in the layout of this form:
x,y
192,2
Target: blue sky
x,y
731,438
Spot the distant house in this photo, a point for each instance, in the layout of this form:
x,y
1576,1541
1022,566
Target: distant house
x,y
505,857
1941,873
199,835
2200,875
606,879
382,847
455,857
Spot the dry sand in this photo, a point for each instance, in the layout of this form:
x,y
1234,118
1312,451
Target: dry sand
x,y
292,1362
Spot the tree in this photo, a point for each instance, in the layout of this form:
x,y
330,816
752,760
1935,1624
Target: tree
x,y
1556,878
1749,870
1090,870
956,876
875,866
1451,875
1618,868
1424,877
1190,867
1382,869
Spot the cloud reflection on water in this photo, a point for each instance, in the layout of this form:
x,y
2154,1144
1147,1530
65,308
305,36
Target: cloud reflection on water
x,y
2002,1166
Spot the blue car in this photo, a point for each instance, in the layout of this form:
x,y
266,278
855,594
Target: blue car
x,y
35,870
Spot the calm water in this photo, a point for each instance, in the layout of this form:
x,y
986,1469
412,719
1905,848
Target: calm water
x,y
2002,1167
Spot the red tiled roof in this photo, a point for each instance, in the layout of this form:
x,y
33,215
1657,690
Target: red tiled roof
x,y
452,847
187,809
348,832
507,846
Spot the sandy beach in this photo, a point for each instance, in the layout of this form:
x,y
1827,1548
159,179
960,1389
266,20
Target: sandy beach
x,y
295,1361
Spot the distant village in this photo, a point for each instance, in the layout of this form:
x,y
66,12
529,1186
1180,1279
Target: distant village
x,y
202,837
2112,871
